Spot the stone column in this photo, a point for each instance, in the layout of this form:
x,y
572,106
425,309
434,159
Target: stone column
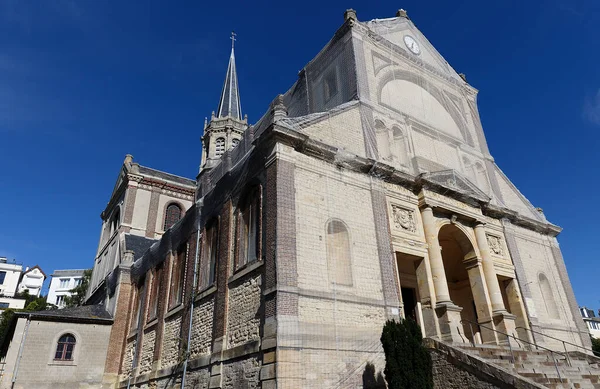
x,y
438,274
448,314
515,302
482,302
503,321
491,278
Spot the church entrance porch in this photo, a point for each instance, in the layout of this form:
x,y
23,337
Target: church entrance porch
x,y
466,286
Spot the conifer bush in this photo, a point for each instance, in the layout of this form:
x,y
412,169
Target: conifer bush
x,y
407,361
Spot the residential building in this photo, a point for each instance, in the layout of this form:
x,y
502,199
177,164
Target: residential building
x,y
32,280
591,320
61,284
10,275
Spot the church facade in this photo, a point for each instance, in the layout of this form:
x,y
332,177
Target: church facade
x,y
366,192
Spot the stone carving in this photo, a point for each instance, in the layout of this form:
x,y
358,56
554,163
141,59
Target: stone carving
x,y
495,245
404,219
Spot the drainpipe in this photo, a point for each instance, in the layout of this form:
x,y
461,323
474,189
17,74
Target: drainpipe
x,y
189,337
21,347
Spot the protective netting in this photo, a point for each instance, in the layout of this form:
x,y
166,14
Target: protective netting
x,y
372,104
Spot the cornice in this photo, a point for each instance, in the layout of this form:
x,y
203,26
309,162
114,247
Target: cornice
x,y
342,159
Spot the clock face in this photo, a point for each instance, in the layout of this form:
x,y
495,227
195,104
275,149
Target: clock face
x,y
412,44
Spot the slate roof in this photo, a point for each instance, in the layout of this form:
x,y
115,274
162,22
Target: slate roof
x,y
229,104
138,244
166,176
83,314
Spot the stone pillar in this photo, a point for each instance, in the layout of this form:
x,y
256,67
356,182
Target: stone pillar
x,y
448,314
503,321
482,302
515,302
438,274
491,278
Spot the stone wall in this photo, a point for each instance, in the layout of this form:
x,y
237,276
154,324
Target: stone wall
x,y
202,326
448,376
147,352
171,341
128,357
243,319
241,374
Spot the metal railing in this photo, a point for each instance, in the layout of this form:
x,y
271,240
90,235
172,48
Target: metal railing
x,y
564,342
519,341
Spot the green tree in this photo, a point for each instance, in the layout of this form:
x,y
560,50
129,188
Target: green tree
x,y
78,293
407,361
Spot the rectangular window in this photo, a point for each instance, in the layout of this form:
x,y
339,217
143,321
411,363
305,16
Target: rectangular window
x,y
2,277
64,283
177,277
209,256
78,281
4,305
60,301
154,295
137,311
248,231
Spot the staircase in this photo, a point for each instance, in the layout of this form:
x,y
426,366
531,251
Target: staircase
x,y
578,371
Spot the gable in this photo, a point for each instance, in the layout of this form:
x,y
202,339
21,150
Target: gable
x,y
454,181
395,29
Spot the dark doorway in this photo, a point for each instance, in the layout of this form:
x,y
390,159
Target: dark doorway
x,y
409,298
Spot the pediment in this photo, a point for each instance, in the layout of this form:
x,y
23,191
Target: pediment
x,y
452,180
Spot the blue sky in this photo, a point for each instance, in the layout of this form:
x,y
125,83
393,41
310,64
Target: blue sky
x,y
82,83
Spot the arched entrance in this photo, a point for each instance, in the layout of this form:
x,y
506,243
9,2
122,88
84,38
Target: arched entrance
x,y
463,278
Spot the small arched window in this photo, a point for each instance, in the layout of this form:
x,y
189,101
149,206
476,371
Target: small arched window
x,y
172,215
338,253
65,348
548,296
219,146
234,143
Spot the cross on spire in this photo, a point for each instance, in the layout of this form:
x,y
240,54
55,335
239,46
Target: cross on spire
x,y
229,104
233,35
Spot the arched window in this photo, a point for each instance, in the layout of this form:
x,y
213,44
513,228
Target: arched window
x,y
65,347
383,139
338,253
172,215
400,151
219,146
234,143
248,229
548,296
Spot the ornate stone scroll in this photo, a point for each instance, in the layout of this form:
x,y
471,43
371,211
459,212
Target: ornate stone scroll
x,y
404,219
495,244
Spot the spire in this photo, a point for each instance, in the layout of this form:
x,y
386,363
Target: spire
x,y
229,105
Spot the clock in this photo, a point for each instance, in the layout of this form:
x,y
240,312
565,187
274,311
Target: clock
x,y
412,44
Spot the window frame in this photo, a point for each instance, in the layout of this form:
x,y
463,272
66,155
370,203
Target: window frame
x,y
138,313
167,218
210,255
153,302
178,267
220,146
2,277
250,206
62,346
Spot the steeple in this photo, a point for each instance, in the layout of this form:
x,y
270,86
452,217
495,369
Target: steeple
x,y
225,129
229,105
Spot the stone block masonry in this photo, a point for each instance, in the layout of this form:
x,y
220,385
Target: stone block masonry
x,y
243,324
202,327
171,341
147,352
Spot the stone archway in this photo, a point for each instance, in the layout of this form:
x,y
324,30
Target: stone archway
x,y
465,280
